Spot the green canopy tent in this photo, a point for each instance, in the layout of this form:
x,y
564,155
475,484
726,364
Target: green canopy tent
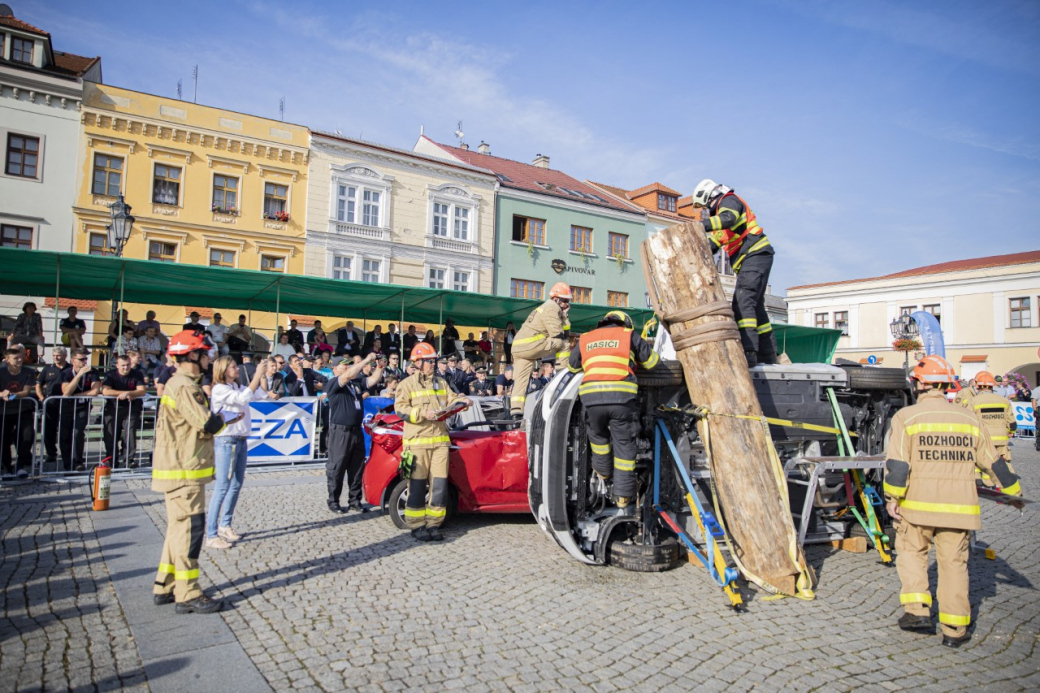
x,y
806,344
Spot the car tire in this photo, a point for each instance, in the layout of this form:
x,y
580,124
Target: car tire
x,y
399,496
644,559
664,374
875,378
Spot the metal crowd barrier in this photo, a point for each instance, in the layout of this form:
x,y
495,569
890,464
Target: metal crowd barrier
x,y
18,436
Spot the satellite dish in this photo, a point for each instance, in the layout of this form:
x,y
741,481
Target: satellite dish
x,y
6,11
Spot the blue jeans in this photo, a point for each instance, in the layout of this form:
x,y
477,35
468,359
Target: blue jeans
x,y
230,470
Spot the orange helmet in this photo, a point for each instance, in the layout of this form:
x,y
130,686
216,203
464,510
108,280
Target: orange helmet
x,y
185,342
423,350
560,290
934,370
985,379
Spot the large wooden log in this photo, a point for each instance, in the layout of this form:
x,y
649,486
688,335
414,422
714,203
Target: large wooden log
x,y
683,281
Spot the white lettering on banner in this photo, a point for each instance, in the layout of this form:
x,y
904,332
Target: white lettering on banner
x,y
1024,416
282,430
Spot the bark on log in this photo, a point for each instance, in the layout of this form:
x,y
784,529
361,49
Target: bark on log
x,y
682,276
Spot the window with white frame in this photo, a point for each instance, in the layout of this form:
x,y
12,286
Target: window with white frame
x,y
460,280
346,203
453,213
371,271
435,278
370,208
461,223
166,185
441,216
341,265
360,196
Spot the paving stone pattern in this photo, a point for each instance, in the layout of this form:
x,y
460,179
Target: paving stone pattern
x,y
323,602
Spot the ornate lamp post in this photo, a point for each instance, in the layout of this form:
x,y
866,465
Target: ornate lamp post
x,y
904,328
118,234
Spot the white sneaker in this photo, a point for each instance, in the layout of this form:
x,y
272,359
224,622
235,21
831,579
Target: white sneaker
x,y
228,533
217,543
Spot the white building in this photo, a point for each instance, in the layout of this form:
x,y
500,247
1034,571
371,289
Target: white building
x,y
381,214
987,308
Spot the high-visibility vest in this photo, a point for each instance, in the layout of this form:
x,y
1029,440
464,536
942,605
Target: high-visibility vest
x,y
732,239
606,355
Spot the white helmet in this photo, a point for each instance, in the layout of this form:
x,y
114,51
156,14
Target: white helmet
x,y
705,192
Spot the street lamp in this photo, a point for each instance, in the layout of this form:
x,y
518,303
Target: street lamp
x,y
122,225
904,327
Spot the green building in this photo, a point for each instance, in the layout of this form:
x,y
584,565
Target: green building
x,y
550,227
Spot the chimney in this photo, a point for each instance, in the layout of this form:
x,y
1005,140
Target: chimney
x,y
541,161
484,147
463,145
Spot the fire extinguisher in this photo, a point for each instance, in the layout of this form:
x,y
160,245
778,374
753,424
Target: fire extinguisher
x,y
101,484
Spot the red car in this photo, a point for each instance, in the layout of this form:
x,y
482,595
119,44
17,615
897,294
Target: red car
x,y
487,468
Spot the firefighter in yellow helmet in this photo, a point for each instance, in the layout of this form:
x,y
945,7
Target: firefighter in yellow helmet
x,y
426,443
544,333
996,414
182,465
608,392
930,488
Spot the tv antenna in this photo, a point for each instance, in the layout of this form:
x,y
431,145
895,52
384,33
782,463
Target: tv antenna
x,y
459,134
179,96
195,76
281,108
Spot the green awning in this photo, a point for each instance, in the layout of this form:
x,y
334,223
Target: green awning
x,y
806,344
71,275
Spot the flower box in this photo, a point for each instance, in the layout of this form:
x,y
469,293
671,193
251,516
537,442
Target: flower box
x,y
277,216
230,211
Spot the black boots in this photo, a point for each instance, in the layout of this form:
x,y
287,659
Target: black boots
x,y
427,534
915,624
950,641
200,605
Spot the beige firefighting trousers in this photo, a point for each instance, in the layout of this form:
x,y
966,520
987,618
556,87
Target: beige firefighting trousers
x,y
185,529
951,554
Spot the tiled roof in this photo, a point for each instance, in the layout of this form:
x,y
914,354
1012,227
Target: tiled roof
x,y
943,268
82,304
520,176
653,187
974,358
71,64
23,26
651,204
402,152
612,189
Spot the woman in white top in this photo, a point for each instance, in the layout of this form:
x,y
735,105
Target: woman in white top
x,y
283,348
230,398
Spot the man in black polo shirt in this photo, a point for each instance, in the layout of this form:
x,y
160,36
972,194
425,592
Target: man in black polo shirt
x,y
346,440
16,390
123,413
48,384
370,376
295,336
79,384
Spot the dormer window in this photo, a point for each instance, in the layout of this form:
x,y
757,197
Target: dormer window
x,y
666,202
21,50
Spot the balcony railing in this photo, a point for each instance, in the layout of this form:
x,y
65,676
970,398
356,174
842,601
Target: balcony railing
x,y
442,243
374,233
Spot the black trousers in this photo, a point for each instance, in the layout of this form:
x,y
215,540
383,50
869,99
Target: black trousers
x,y
346,459
323,438
613,430
17,430
66,426
121,425
749,307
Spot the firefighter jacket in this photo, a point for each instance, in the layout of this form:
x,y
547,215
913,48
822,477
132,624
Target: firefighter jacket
x,y
184,428
932,454
733,228
414,396
996,414
607,355
543,332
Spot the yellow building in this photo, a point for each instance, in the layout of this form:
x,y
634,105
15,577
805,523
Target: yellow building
x,y
207,186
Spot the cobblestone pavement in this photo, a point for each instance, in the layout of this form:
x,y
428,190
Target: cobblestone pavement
x,y
321,602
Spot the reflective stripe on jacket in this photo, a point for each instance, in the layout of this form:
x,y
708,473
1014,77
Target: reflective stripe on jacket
x,y
997,415
734,228
932,454
607,355
183,446
543,332
415,395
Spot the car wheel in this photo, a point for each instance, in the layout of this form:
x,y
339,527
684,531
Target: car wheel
x,y
665,374
644,559
876,378
399,498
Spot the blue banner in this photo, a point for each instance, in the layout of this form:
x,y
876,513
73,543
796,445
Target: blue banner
x,y
282,430
931,333
372,407
1024,416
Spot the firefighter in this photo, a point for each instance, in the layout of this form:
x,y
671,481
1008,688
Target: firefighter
x,y
996,414
544,333
181,467
930,491
608,393
731,227
426,441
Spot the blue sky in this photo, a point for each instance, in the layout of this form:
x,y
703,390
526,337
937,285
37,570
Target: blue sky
x,y
868,137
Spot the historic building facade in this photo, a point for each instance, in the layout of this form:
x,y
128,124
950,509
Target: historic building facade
x,y
388,215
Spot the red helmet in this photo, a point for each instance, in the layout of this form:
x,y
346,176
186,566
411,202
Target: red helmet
x,y
185,342
423,350
934,370
985,379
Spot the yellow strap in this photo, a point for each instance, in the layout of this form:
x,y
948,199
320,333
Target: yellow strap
x,y
916,598
436,512
765,329
415,512
894,491
650,362
606,359
427,441
612,386
941,428
951,508
560,355
1014,489
167,568
414,416
751,323
427,393
600,449
166,474
953,620
528,340
624,465
623,372
167,400
991,405
186,574
998,438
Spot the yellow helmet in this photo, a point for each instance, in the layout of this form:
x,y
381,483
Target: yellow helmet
x,y
616,317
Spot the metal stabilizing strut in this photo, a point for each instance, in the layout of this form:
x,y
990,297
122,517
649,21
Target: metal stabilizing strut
x,y
725,576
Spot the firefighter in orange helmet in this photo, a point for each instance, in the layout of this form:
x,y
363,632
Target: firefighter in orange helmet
x,y
608,393
544,333
182,465
426,442
996,414
929,486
